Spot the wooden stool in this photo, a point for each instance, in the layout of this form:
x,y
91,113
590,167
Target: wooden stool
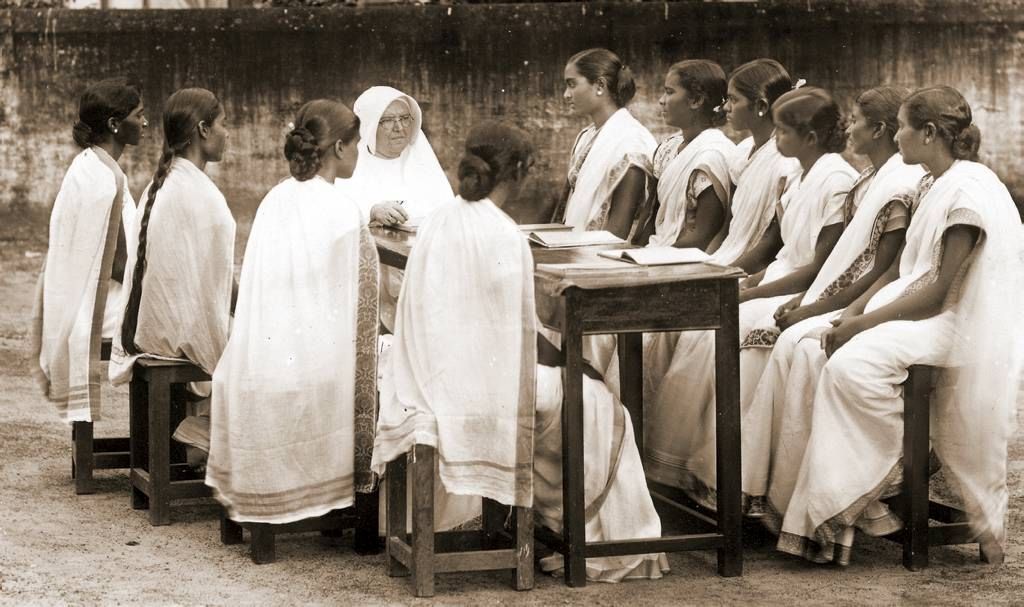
x,y
361,517
914,505
89,453
156,406
430,553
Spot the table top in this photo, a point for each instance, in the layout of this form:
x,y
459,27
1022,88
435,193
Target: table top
x,y
556,270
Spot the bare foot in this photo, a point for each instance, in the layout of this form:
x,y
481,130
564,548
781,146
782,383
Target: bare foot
x,y
991,551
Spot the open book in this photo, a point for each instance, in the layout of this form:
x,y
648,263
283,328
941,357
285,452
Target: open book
x,y
544,227
657,256
562,240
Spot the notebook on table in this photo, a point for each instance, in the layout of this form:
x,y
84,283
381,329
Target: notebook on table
x,y
567,239
657,256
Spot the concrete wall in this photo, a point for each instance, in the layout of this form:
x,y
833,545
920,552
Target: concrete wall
x,y
472,62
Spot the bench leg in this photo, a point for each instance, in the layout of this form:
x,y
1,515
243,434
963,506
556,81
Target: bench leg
x,y
423,521
367,507
494,515
159,450
523,522
83,461
915,469
394,483
262,549
230,531
138,437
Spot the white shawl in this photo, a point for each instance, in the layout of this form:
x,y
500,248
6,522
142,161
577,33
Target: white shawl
x,y
894,180
598,163
464,355
759,179
294,395
186,289
710,151
415,177
77,299
975,402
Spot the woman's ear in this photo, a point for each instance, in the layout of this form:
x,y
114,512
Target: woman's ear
x,y
881,132
930,131
761,106
811,139
204,129
339,149
113,124
696,102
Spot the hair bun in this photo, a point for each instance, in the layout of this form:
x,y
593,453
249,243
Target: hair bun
x,y
302,153
966,143
476,177
82,134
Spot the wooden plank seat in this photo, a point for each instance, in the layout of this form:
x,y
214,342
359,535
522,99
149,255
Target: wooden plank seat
x,y
89,453
362,518
914,504
159,474
425,552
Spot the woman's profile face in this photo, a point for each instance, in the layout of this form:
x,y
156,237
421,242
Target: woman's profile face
x,y
909,140
580,93
394,130
739,110
861,132
349,156
216,141
675,103
133,127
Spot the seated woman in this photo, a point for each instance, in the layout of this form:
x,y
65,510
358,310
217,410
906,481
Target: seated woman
x,y
757,172
295,392
398,177
80,287
182,272
954,303
876,214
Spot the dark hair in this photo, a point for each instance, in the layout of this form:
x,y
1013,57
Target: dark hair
x,y
183,112
761,79
106,99
596,63
319,124
811,109
881,104
704,79
495,152
947,109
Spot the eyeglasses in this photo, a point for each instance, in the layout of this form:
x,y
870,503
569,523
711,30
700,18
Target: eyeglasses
x,y
389,122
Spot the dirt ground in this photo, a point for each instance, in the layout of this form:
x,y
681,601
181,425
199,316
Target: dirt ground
x,y
59,548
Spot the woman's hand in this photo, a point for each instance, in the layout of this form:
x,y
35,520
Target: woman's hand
x,y
388,213
793,316
842,331
788,307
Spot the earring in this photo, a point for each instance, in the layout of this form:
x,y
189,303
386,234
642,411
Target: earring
x,y
115,130
599,93
760,114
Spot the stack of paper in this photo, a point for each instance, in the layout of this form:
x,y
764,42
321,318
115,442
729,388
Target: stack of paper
x,y
657,256
561,240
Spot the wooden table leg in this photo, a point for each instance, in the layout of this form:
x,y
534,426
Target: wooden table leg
x,y
915,469
230,531
262,548
727,435
573,501
395,485
138,441
83,460
522,522
159,448
631,381
423,521
367,510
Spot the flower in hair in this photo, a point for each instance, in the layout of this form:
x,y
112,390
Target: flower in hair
x,y
799,83
291,126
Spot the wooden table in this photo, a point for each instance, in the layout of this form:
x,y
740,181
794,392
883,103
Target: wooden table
x,y
630,301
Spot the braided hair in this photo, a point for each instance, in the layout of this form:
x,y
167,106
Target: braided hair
x,y
183,112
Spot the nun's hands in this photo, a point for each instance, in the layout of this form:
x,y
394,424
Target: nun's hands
x,y
388,213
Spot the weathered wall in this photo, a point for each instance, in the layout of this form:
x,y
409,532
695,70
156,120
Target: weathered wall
x,y
472,62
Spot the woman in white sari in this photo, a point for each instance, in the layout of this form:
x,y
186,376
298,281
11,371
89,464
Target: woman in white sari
x,y
876,213
398,178
757,172
954,304
294,396
181,272
74,307
611,159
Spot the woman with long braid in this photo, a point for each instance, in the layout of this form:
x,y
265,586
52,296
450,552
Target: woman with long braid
x,y
180,275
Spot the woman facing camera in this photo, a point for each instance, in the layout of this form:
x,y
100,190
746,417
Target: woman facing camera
x,y
611,158
80,291
295,392
953,302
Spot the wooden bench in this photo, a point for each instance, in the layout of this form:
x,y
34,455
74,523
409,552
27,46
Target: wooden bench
x,y
362,517
156,405
89,453
914,504
428,553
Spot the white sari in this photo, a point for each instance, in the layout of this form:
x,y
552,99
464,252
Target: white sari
x,y
415,178
294,395
75,306
186,289
463,359
682,447
599,160
759,177
855,445
777,415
